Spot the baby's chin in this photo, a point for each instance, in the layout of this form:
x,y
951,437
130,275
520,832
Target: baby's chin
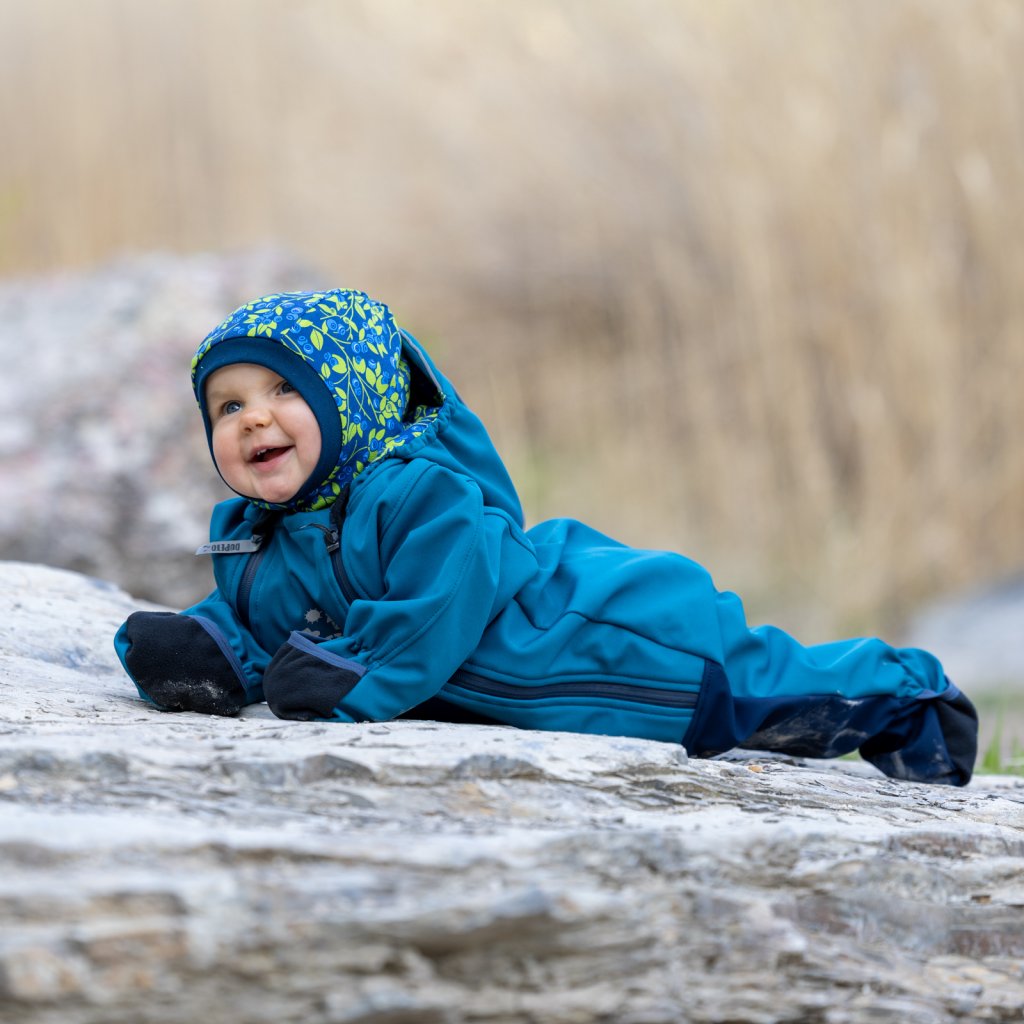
x,y
274,492
271,495
274,497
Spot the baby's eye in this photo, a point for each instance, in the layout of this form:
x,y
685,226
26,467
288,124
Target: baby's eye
x,y
285,388
229,407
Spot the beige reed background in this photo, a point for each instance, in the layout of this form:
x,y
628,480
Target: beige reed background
x,y
741,278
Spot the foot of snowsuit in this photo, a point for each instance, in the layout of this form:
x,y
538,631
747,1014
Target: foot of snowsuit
x,y
853,694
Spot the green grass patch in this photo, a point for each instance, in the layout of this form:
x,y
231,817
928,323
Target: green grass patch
x,y
998,760
1002,736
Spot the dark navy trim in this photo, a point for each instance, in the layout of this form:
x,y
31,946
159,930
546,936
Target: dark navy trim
x,y
222,642
275,355
951,692
302,642
714,692
626,692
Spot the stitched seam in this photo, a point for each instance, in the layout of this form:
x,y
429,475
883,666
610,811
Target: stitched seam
x,y
404,496
648,638
358,586
452,590
516,531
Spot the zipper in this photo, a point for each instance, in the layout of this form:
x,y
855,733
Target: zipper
x,y
615,691
260,532
245,587
332,538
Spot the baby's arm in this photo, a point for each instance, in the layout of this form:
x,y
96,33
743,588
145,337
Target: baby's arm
x,y
201,659
436,556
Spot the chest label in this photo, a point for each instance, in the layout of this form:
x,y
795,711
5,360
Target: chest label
x,y
230,547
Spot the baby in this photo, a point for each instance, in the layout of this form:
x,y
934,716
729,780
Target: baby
x,y
375,565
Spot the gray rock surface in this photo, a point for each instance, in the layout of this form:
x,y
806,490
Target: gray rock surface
x,y
160,868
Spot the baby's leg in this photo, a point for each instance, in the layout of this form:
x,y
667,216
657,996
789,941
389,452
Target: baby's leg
x,y
895,705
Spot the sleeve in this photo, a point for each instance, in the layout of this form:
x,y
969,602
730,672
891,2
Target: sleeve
x,y
439,560
201,659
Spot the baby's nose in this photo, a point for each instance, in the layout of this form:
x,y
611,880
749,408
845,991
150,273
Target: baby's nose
x,y
256,416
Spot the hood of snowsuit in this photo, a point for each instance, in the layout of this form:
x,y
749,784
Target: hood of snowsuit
x,y
342,351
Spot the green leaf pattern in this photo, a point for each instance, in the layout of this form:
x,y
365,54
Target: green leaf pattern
x,y
354,344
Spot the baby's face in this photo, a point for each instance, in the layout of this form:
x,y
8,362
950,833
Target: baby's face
x,y
266,440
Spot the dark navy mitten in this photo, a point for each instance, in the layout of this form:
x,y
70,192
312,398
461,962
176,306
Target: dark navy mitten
x,y
307,682
933,740
959,722
179,666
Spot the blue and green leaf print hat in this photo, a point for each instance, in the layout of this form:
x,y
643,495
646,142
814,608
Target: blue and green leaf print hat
x,y
342,351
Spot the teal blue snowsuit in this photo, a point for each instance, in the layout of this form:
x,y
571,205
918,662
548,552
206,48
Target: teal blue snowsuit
x,y
401,581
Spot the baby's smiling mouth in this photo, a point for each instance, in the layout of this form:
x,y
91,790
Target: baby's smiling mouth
x,y
269,454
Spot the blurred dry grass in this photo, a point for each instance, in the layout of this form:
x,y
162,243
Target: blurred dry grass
x,y
737,278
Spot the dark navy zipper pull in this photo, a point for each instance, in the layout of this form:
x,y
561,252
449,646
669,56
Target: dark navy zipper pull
x,y
332,537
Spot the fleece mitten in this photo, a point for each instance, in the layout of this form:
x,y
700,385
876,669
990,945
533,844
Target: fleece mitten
x,y
305,681
958,720
933,740
178,665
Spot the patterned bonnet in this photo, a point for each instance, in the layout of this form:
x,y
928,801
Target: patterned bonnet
x,y
342,351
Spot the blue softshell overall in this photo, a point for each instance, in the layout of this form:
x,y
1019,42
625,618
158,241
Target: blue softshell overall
x,y
419,592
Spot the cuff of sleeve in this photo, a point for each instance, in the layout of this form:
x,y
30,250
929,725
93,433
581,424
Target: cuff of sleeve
x,y
253,691
306,682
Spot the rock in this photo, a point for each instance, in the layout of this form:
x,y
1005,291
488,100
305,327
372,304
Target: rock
x,y
103,462
175,867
